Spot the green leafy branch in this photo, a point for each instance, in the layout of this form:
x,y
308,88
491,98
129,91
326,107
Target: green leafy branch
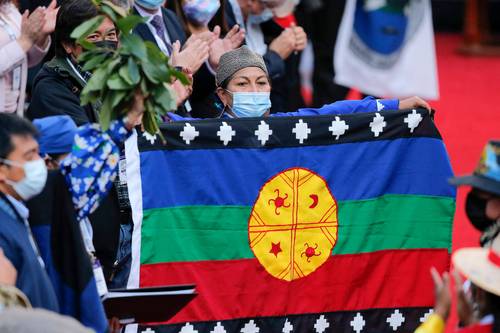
x,y
135,66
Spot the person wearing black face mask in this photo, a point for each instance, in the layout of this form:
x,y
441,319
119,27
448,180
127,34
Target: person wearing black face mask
x,y
483,201
57,87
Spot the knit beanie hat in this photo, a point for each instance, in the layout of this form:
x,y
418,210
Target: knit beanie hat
x,y
232,61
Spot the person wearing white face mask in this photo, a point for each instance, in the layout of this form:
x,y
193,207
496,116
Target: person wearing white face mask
x,y
244,89
22,176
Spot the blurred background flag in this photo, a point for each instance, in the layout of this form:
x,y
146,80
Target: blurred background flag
x,y
386,48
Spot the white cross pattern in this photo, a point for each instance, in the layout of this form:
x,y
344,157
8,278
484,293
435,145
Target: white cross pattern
x,y
301,131
377,125
358,323
380,106
226,133
288,327
189,133
188,328
321,324
149,137
426,315
338,128
263,132
413,120
148,330
396,320
250,327
218,328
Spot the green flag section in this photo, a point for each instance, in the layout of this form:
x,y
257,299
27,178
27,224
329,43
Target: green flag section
x,y
221,232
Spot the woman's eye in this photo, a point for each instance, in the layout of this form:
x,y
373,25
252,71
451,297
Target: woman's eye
x,y
262,83
241,84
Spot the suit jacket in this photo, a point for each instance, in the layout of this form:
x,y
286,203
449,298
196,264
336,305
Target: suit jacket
x,y
204,81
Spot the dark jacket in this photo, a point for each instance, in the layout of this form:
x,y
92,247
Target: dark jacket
x,y
32,279
56,91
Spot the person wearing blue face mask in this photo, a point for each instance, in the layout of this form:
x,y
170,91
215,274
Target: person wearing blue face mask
x,y
244,88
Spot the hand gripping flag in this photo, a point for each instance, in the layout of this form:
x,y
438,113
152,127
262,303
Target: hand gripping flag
x,y
312,224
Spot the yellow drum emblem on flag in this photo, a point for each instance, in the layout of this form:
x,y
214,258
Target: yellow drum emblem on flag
x,y
293,224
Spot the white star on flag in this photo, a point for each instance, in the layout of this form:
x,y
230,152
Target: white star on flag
x,y
426,315
358,323
218,328
149,137
321,324
250,327
301,131
338,128
189,133
263,132
413,120
148,330
396,320
188,328
380,106
226,133
377,125
287,328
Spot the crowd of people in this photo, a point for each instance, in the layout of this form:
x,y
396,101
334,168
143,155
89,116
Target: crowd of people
x,y
242,61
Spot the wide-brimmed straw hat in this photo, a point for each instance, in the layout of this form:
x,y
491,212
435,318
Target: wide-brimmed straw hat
x,y
486,177
481,265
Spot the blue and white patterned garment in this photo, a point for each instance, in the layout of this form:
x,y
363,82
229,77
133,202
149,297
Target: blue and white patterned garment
x,y
91,167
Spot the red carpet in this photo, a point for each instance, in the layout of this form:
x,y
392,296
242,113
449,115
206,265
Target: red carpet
x,y
468,114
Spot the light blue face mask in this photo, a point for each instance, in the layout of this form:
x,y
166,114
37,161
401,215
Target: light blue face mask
x,y
201,12
250,104
266,15
150,4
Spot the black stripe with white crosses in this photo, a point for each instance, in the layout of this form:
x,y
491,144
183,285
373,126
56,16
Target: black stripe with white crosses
x,y
375,320
291,131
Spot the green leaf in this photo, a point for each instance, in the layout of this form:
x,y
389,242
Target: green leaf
x,y
117,97
128,23
133,71
180,76
115,82
105,114
134,45
87,27
86,44
97,81
94,62
150,71
164,97
124,74
117,9
109,12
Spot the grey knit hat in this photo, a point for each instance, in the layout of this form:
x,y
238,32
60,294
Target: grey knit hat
x,y
232,61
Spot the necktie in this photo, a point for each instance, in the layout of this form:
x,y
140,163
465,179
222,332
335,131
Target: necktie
x,y
159,25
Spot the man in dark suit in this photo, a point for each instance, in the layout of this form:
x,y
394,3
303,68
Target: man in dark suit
x,y
163,28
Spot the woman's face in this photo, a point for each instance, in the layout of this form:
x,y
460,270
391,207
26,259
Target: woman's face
x,y
250,79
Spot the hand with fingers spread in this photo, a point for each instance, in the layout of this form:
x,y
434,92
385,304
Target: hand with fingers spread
x,y
32,28
465,309
192,55
284,44
442,293
218,47
50,18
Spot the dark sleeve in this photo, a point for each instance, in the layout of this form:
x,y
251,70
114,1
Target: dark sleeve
x,y
10,252
275,65
51,97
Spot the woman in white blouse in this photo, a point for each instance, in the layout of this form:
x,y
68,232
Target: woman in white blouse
x,y
24,41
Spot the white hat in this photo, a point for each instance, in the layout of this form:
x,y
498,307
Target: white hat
x,y
481,266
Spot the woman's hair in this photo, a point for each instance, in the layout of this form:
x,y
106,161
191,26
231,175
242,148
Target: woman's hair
x,y
71,14
219,18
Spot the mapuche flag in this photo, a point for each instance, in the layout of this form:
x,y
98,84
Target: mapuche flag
x,y
295,224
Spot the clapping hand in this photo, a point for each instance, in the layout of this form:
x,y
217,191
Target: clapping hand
x,y
219,46
192,56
